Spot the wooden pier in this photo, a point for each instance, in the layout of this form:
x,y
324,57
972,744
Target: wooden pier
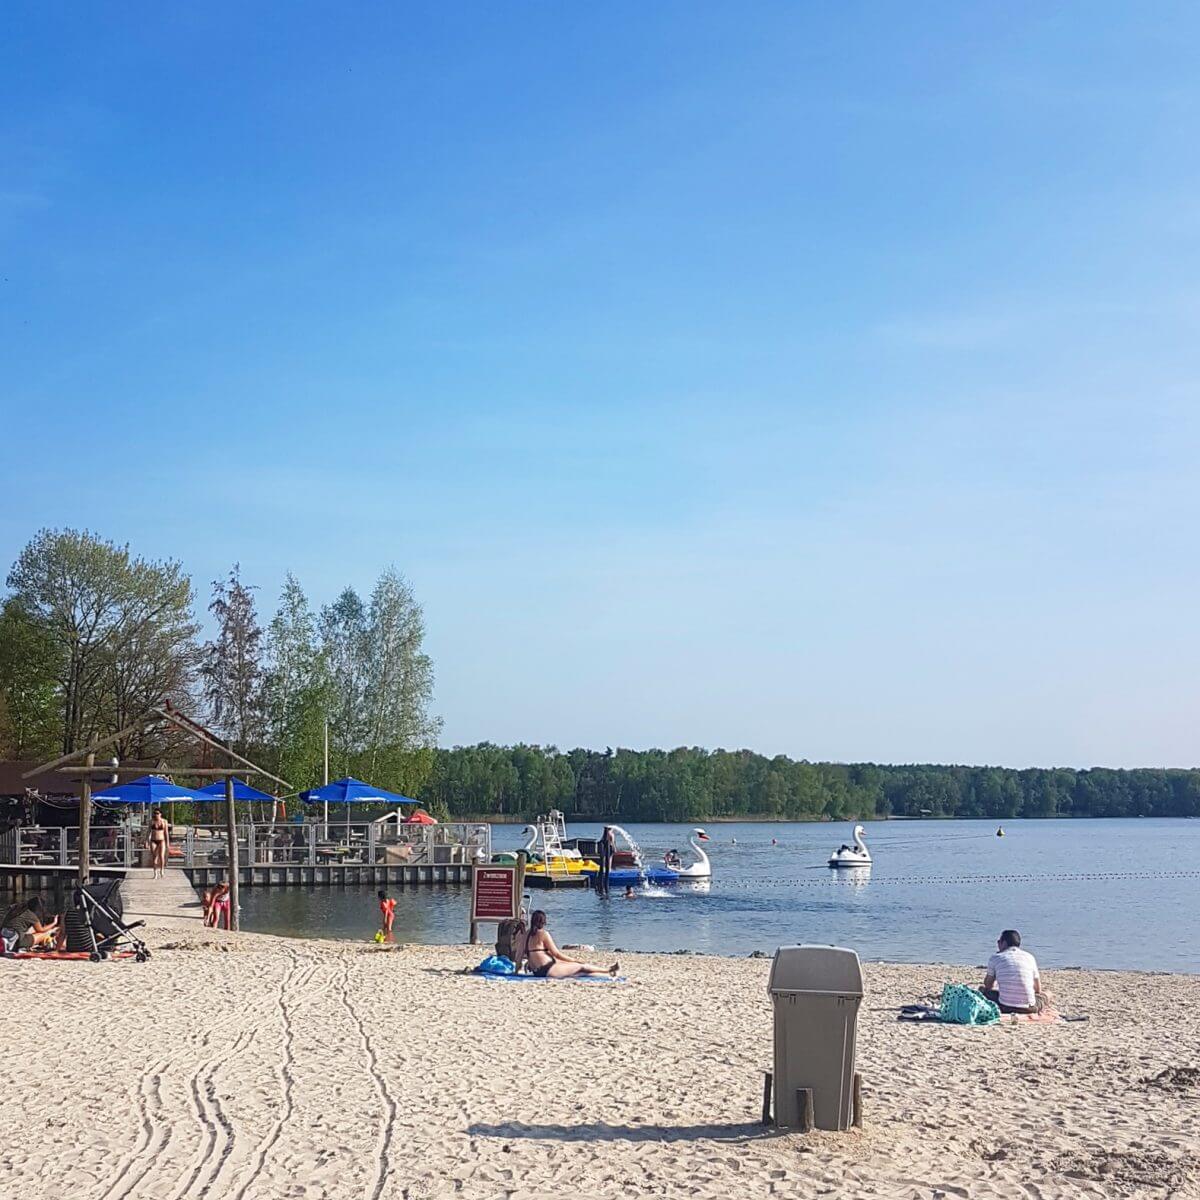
x,y
148,899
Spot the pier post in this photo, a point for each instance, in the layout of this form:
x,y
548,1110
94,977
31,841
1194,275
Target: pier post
x,y
85,820
232,853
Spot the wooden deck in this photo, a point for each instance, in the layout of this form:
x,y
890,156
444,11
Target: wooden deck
x,y
147,898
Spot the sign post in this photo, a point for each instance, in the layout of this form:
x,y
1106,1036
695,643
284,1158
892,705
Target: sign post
x,y
496,893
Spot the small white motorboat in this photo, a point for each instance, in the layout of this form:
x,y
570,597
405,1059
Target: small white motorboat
x,y
852,856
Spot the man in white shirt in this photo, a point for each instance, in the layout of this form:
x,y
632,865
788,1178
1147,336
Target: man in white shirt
x,y
1012,979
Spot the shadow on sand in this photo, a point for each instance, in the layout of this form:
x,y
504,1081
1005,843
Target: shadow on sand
x,y
600,1132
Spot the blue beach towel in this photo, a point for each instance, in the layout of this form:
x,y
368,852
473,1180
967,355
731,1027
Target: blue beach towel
x,y
496,964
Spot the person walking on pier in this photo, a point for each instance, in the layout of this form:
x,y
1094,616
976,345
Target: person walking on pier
x,y
160,833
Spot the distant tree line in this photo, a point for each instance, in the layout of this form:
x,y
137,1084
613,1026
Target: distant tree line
x,y
691,784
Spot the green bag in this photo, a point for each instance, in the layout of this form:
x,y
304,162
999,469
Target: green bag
x,y
962,1005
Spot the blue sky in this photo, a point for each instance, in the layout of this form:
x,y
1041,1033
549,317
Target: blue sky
x,y
813,378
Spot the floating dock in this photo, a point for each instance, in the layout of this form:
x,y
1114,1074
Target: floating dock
x,y
333,874
538,880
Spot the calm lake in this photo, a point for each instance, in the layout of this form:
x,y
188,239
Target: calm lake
x,y
1090,893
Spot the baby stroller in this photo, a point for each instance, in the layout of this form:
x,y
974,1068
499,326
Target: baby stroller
x,y
96,925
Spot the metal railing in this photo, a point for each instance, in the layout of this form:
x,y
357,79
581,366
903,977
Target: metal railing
x,y
310,844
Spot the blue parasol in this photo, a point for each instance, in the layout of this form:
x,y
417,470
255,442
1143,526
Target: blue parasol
x,y
149,789
241,791
350,791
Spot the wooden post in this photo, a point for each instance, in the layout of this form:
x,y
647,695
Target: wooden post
x,y
768,1080
857,1119
804,1109
85,822
231,839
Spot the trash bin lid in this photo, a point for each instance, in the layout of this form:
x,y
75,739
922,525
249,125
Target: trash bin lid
x,y
829,969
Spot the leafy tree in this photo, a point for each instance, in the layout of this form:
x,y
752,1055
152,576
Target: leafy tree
x,y
118,630
346,643
297,688
400,675
30,712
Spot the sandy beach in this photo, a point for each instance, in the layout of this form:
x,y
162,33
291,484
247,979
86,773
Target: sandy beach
x,y
244,1066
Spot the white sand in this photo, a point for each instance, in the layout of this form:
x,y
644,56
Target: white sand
x,y
258,1067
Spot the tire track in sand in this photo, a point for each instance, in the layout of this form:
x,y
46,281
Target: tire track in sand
x,y
215,1127
294,981
150,1132
386,1101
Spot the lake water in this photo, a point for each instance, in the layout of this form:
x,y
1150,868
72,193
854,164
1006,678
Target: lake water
x,y
1090,893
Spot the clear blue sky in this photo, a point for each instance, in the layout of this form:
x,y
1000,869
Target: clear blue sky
x,y
815,378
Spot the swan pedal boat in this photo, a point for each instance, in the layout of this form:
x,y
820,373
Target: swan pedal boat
x,y
852,856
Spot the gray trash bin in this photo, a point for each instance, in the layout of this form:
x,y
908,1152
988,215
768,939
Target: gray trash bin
x,y
815,991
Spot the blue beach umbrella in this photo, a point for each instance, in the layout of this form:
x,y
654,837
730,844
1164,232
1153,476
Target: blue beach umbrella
x,y
351,791
241,791
215,792
149,789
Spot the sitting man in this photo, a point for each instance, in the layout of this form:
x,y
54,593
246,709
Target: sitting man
x,y
1012,981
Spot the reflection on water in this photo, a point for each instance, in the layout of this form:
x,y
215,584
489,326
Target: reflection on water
x,y
938,891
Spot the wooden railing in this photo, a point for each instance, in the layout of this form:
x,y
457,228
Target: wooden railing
x,y
310,844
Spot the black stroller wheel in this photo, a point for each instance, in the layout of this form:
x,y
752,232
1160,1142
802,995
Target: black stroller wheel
x,y
95,956
141,956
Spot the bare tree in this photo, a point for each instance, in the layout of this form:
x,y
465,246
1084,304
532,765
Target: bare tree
x,y
233,662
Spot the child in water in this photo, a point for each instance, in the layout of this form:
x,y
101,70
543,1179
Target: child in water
x,y
387,912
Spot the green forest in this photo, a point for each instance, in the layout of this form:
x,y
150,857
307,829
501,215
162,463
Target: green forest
x,y
691,784
91,635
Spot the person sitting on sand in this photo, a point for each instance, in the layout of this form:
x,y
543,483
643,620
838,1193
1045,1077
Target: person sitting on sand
x,y
32,932
547,960
1012,981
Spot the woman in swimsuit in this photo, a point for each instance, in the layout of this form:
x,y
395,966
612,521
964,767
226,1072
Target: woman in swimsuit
x,y
159,832
547,960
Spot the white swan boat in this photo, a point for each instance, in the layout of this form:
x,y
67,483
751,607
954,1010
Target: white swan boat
x,y
701,868
852,856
